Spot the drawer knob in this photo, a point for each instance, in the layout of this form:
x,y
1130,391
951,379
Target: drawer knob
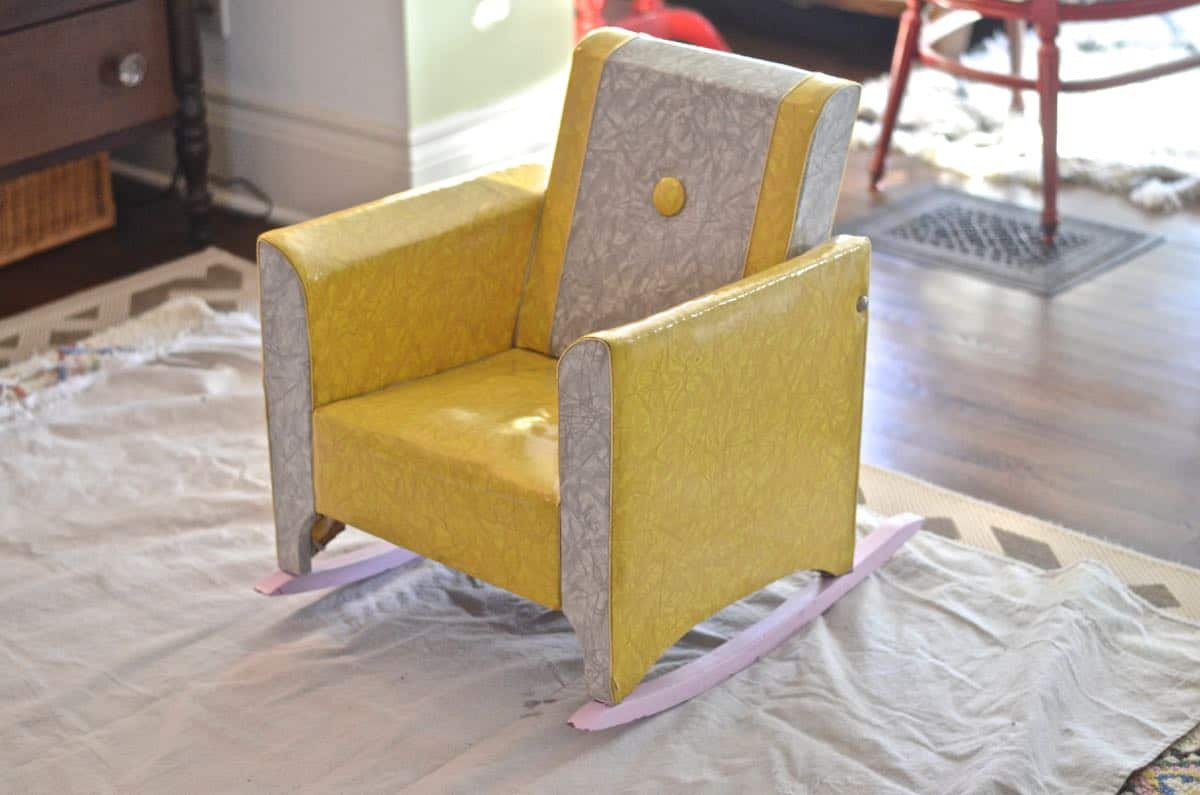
x,y
131,70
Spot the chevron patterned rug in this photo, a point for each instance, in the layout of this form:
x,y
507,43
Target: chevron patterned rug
x,y
226,282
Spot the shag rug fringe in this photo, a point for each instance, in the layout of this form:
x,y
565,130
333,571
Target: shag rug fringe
x,y
1140,141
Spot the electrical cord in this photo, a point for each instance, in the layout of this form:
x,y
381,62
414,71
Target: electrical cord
x,y
251,188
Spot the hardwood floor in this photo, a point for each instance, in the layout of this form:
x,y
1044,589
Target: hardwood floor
x,y
1083,409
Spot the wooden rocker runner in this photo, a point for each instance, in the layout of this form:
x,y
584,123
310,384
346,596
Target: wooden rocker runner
x,y
680,685
632,392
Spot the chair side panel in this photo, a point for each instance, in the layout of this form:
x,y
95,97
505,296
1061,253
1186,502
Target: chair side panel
x,y
735,446
585,466
287,383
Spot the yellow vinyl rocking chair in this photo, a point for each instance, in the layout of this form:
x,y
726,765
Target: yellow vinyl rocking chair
x,y
632,392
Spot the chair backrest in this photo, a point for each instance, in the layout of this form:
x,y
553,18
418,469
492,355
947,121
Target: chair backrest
x,y
677,170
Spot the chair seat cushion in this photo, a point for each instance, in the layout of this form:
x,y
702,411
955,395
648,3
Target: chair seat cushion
x,y
461,467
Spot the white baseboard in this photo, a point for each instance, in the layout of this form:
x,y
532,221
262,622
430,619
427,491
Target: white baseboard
x,y
520,128
222,197
312,162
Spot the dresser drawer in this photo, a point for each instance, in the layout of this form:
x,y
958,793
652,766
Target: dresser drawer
x,y
21,13
60,80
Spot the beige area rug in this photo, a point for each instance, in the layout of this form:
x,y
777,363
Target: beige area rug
x,y
138,656
1138,140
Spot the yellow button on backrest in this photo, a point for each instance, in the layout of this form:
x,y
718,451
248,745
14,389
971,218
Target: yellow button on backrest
x,y
669,196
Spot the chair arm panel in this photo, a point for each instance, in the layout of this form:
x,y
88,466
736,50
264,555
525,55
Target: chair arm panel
x,y
729,428
412,284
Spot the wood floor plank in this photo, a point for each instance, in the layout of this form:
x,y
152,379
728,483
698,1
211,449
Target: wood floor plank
x,y
1083,408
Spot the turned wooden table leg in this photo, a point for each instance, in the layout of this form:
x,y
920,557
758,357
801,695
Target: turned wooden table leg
x,y
191,129
902,57
1048,98
1015,29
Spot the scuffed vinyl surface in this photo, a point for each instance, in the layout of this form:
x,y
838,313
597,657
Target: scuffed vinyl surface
x,y
461,467
415,283
585,461
287,384
735,424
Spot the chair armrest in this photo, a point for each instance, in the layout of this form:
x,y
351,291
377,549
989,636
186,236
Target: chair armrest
x,y
706,451
409,285
396,289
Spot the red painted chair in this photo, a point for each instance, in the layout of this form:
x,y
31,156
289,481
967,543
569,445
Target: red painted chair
x,y
1045,15
654,17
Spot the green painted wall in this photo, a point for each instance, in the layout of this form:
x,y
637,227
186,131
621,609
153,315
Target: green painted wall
x,y
467,54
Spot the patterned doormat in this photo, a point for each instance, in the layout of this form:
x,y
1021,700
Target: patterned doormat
x,y
997,241
225,281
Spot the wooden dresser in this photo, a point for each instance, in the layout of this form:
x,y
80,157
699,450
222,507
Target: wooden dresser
x,y
81,76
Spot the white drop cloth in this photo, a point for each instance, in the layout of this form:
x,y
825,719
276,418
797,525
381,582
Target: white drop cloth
x,y
135,518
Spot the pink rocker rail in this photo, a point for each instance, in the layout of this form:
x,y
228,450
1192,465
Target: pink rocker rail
x,y
688,681
682,684
339,570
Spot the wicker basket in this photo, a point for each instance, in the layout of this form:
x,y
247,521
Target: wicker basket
x,y
53,206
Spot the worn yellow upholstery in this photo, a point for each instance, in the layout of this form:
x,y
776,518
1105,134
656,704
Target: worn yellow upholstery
x,y
415,283
461,466
730,462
